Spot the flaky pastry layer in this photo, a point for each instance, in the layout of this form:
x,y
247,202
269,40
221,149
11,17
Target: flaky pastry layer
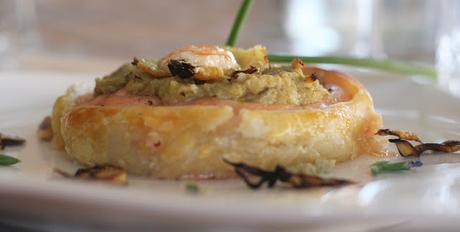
x,y
191,140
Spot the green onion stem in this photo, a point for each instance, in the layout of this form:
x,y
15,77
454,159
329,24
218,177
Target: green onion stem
x,y
6,160
242,13
192,187
380,167
387,65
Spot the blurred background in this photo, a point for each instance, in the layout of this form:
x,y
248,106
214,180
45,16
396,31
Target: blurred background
x,y
97,35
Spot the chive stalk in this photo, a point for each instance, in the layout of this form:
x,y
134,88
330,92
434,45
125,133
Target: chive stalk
x,y
6,160
384,166
240,17
387,65
192,187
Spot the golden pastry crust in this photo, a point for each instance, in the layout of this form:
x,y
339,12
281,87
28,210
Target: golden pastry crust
x,y
191,140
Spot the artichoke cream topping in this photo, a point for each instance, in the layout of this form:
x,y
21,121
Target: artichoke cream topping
x,y
212,72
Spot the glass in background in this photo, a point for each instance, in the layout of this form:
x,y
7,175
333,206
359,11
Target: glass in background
x,y
368,42
117,30
408,29
448,51
309,28
26,17
343,27
8,34
397,29
18,31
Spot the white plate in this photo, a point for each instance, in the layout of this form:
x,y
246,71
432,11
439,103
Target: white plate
x,y
431,194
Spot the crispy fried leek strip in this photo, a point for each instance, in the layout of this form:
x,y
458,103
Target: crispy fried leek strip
x,y
255,177
400,134
10,141
406,148
249,70
104,173
181,69
45,131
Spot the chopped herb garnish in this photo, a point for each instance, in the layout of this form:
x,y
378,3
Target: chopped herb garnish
x,y
6,160
192,187
384,166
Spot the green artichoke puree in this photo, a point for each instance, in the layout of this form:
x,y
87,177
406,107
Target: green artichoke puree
x,y
275,85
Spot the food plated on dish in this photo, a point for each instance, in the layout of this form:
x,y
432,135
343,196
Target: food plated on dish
x,y
179,117
184,116
210,112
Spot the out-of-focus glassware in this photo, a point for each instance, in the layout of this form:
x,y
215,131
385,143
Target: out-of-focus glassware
x,y
308,28
7,34
116,29
407,29
401,29
368,38
317,27
18,31
448,51
26,26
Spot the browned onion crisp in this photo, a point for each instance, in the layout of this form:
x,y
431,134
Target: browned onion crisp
x,y
255,177
7,141
106,173
45,131
250,70
181,68
407,149
400,134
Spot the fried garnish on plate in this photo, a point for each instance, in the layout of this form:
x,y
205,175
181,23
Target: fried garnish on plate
x,y
105,173
10,141
407,149
255,177
45,132
249,70
400,134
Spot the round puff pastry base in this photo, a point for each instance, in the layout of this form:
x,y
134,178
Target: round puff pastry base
x,y
191,140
